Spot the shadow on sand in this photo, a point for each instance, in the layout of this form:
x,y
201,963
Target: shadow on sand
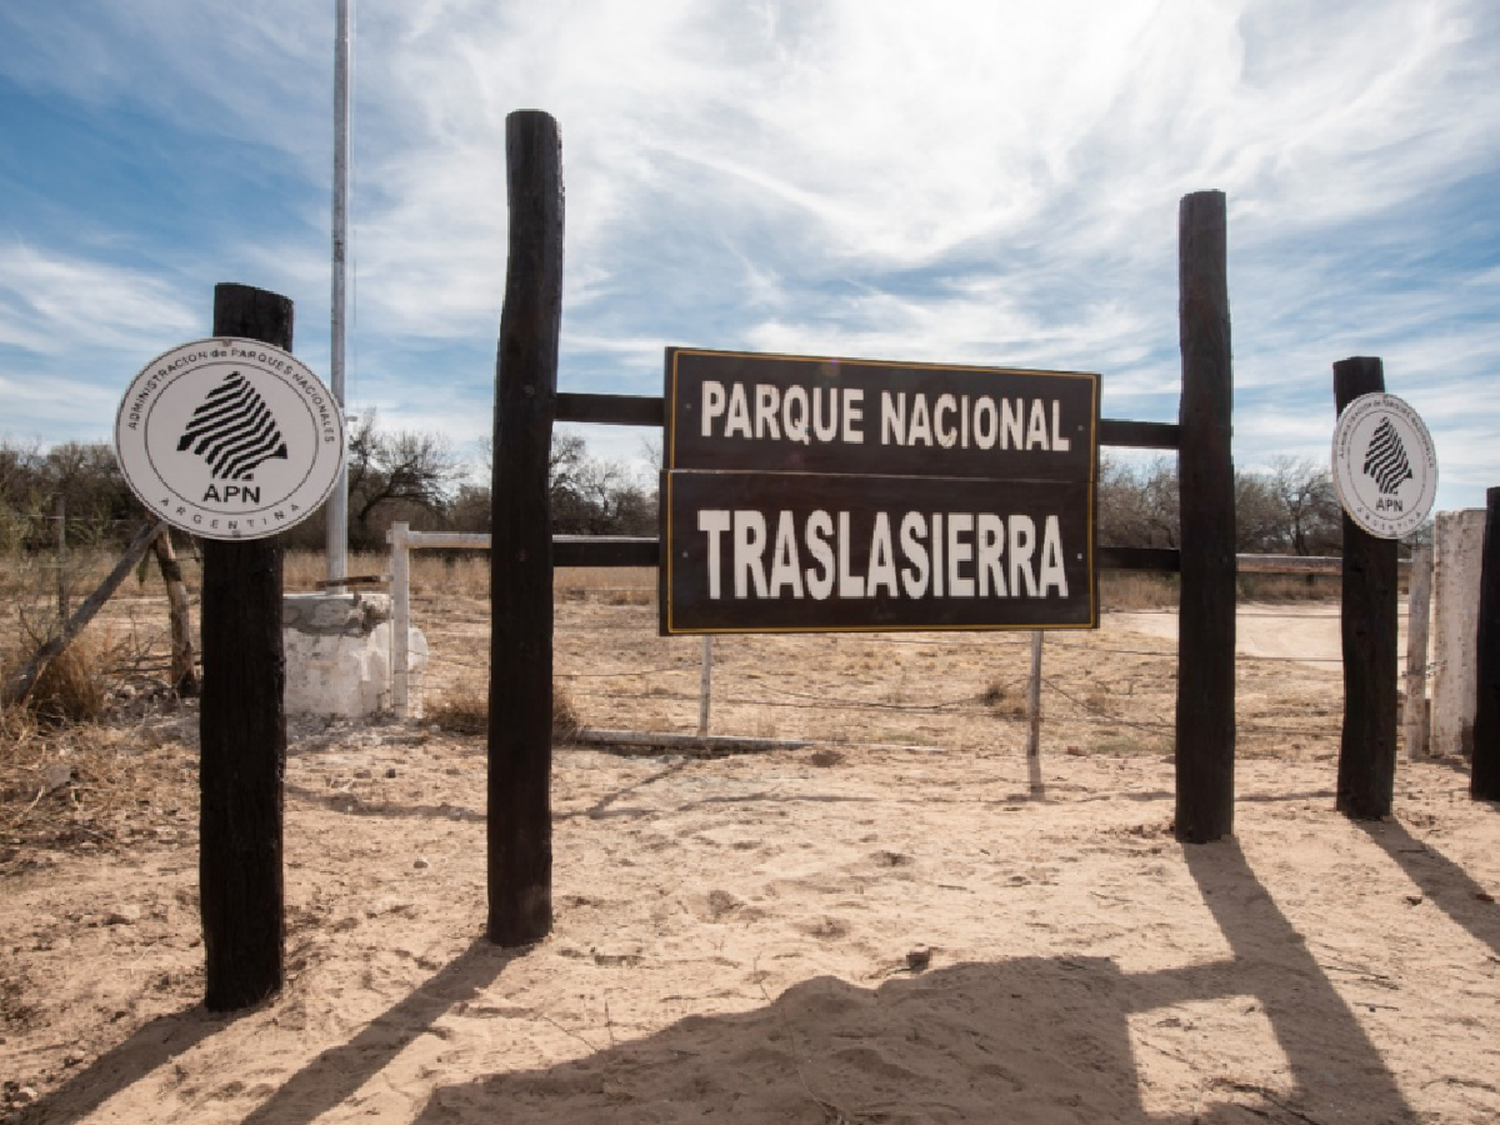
x,y
1028,1039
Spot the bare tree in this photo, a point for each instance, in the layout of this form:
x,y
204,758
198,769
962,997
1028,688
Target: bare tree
x,y
1309,507
404,467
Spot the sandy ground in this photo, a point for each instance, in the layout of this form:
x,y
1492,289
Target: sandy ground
x,y
915,932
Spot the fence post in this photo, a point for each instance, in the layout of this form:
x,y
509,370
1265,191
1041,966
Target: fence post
x,y
1418,615
1034,715
243,728
1034,698
1484,780
519,826
1458,558
705,684
400,618
1367,750
1205,650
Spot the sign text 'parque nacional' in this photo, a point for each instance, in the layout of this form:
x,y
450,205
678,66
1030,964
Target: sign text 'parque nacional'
x,y
229,438
809,494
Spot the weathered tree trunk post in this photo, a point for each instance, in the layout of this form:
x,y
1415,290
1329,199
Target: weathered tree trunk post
x,y
1484,781
1367,749
1418,618
1205,647
243,728
179,617
520,697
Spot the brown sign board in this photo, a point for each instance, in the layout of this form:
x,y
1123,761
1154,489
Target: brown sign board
x,y
906,497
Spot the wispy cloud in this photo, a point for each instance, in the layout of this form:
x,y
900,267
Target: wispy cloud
x,y
53,307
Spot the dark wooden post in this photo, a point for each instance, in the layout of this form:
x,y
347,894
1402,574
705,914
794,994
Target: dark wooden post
x,y
1484,781
520,700
1205,646
1367,750
243,728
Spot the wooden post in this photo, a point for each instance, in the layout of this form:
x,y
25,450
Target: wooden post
x,y
1034,697
399,539
1367,750
1418,616
179,617
1205,648
243,729
1484,781
1034,716
520,698
705,684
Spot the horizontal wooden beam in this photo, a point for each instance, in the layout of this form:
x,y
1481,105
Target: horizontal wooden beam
x,y
1137,558
711,744
612,410
605,550
1289,564
1139,435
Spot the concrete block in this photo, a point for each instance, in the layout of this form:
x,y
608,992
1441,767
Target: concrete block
x,y
338,655
1458,553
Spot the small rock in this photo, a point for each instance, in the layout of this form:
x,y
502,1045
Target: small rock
x,y
421,864
1414,900
918,959
25,1095
363,775
125,916
1484,896
391,772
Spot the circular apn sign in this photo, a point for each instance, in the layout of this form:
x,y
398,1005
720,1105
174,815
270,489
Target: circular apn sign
x,y
229,439
1384,467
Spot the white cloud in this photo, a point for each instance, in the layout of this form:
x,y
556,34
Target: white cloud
x,y
957,181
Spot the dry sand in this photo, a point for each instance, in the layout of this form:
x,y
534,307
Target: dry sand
x,y
830,934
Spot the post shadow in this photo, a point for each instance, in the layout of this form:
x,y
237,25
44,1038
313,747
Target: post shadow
x,y
122,1066
1324,1043
340,1071
1447,885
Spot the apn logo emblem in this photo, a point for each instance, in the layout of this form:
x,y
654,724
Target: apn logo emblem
x,y
1385,459
234,431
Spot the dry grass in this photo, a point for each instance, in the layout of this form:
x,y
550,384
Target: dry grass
x,y
1288,587
93,785
1127,589
464,709
71,688
1005,697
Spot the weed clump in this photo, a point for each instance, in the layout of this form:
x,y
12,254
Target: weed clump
x,y
465,710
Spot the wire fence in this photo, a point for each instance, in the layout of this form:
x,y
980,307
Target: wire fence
x,y
1110,690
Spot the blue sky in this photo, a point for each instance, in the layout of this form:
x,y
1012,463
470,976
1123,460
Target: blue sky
x,y
966,181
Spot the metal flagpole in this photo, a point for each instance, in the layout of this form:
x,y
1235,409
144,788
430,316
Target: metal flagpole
x,y
336,513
